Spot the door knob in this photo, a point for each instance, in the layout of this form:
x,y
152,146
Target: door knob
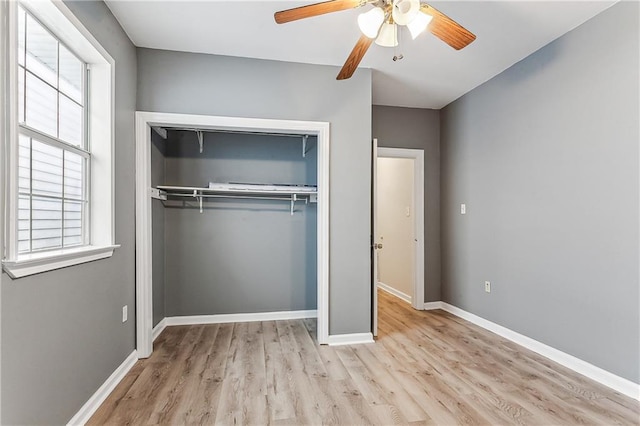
x,y
377,246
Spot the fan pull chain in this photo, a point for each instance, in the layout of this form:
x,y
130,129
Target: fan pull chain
x,y
396,56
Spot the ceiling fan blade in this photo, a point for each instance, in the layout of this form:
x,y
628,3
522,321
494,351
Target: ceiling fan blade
x,y
315,9
446,29
355,57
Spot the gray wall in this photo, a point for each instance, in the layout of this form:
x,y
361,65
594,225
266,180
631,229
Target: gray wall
x,y
545,156
218,85
62,334
158,151
239,256
417,128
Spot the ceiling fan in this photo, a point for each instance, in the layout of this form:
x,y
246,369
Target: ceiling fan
x,y
381,24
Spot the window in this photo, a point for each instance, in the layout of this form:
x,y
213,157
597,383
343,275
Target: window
x,y
59,208
53,155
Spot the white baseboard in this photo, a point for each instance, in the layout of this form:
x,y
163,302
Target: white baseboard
x,y
397,293
430,306
224,318
604,377
158,329
350,339
90,407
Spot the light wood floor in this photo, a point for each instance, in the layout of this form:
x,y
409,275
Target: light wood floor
x,y
426,368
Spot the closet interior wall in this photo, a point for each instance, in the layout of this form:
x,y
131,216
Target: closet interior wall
x,y
158,152
238,255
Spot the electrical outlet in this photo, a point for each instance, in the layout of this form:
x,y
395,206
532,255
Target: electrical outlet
x,y
463,209
124,313
487,286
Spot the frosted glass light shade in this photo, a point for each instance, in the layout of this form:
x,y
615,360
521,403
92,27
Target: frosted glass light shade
x,y
404,11
388,36
419,24
369,22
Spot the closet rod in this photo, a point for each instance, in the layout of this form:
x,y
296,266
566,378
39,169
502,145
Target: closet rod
x,y
247,197
200,197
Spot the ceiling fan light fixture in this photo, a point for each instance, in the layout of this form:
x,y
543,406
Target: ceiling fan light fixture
x,y
419,24
388,36
404,11
370,22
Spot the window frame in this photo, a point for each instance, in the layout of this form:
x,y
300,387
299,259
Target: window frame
x,y
99,140
24,129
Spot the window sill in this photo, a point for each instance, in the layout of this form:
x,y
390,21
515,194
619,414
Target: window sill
x,y
42,262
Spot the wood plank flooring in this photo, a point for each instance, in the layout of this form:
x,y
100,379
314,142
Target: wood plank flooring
x,y
425,368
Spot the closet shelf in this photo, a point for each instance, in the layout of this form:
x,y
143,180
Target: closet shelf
x,y
290,193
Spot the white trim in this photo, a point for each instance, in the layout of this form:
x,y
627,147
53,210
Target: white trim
x,y
375,254
90,407
604,377
5,68
417,155
374,232
158,329
144,122
248,317
77,37
144,259
350,339
35,263
10,101
430,306
397,293
322,265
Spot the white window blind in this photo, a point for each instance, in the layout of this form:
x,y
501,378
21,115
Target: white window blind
x,y
53,155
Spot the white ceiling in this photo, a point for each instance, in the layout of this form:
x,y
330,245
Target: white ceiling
x,y
431,75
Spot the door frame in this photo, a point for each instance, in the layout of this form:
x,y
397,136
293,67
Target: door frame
x,y
417,155
144,121
374,237
8,113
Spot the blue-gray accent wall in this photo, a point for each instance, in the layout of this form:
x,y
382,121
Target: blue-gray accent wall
x,y
62,334
238,255
545,156
192,83
418,128
158,152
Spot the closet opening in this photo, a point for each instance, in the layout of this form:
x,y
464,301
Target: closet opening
x,y
231,222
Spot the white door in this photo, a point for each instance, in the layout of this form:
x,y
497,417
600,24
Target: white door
x,y
374,240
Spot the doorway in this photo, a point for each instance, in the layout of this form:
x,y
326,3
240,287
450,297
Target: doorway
x,y
398,225
144,122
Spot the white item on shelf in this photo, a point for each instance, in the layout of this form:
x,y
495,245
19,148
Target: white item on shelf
x,y
262,187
